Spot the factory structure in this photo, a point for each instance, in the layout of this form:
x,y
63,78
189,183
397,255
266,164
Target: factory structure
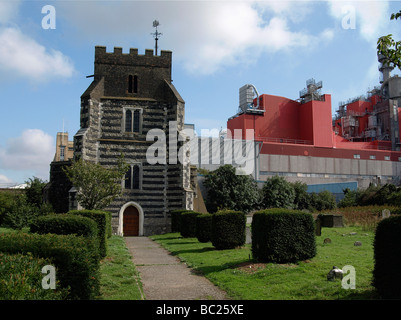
x,y
131,94
301,140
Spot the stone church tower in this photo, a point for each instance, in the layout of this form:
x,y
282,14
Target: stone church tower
x,y
130,95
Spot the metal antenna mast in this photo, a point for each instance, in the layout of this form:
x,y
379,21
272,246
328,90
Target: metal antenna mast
x,y
156,34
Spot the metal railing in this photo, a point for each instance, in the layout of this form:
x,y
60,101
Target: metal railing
x,y
284,140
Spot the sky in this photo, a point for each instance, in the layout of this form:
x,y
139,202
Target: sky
x,y
47,50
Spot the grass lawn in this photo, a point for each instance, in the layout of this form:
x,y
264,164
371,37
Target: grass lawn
x,y
242,278
119,280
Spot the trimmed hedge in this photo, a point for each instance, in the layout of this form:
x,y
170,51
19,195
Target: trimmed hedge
x,y
228,229
65,224
75,259
103,221
204,227
176,219
387,258
282,236
21,279
188,224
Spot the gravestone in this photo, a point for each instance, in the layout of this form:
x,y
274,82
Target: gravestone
x,y
331,220
327,240
386,213
318,225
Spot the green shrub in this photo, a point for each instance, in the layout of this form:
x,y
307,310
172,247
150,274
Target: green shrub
x,y
176,219
103,221
7,200
21,279
281,236
277,192
188,224
75,258
65,224
204,227
228,229
22,213
323,200
227,189
387,258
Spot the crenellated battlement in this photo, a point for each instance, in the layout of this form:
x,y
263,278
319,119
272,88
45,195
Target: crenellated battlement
x,y
133,57
132,74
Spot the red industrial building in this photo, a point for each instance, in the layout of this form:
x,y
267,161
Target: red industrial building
x,y
301,140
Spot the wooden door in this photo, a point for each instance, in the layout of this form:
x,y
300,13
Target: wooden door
x,y
131,221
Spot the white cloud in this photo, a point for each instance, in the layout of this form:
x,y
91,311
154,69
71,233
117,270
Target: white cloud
x,y
32,151
204,35
22,55
371,17
8,10
5,180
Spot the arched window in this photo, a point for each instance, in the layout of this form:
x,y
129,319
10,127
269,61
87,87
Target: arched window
x,y
136,121
133,120
135,84
132,84
128,121
128,179
133,177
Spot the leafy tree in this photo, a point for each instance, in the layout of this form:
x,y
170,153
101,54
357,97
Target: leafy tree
x,y
19,209
324,200
390,48
34,191
394,198
22,213
97,186
302,198
350,198
7,200
278,193
382,195
226,190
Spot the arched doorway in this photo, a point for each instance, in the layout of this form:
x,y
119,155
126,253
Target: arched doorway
x,y
131,220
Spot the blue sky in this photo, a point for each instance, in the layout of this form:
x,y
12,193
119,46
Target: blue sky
x,y
218,46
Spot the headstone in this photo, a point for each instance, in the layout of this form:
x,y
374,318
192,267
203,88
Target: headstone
x,y
331,220
248,235
357,243
385,213
327,240
318,224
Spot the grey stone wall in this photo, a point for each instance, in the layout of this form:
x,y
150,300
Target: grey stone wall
x,y
102,137
315,170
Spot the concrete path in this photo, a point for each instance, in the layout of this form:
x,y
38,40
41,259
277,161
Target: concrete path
x,y
165,277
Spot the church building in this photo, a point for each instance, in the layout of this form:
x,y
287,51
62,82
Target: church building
x,y
131,94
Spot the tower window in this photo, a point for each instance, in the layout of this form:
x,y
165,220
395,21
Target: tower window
x,y
136,121
132,84
133,177
132,120
128,121
62,153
